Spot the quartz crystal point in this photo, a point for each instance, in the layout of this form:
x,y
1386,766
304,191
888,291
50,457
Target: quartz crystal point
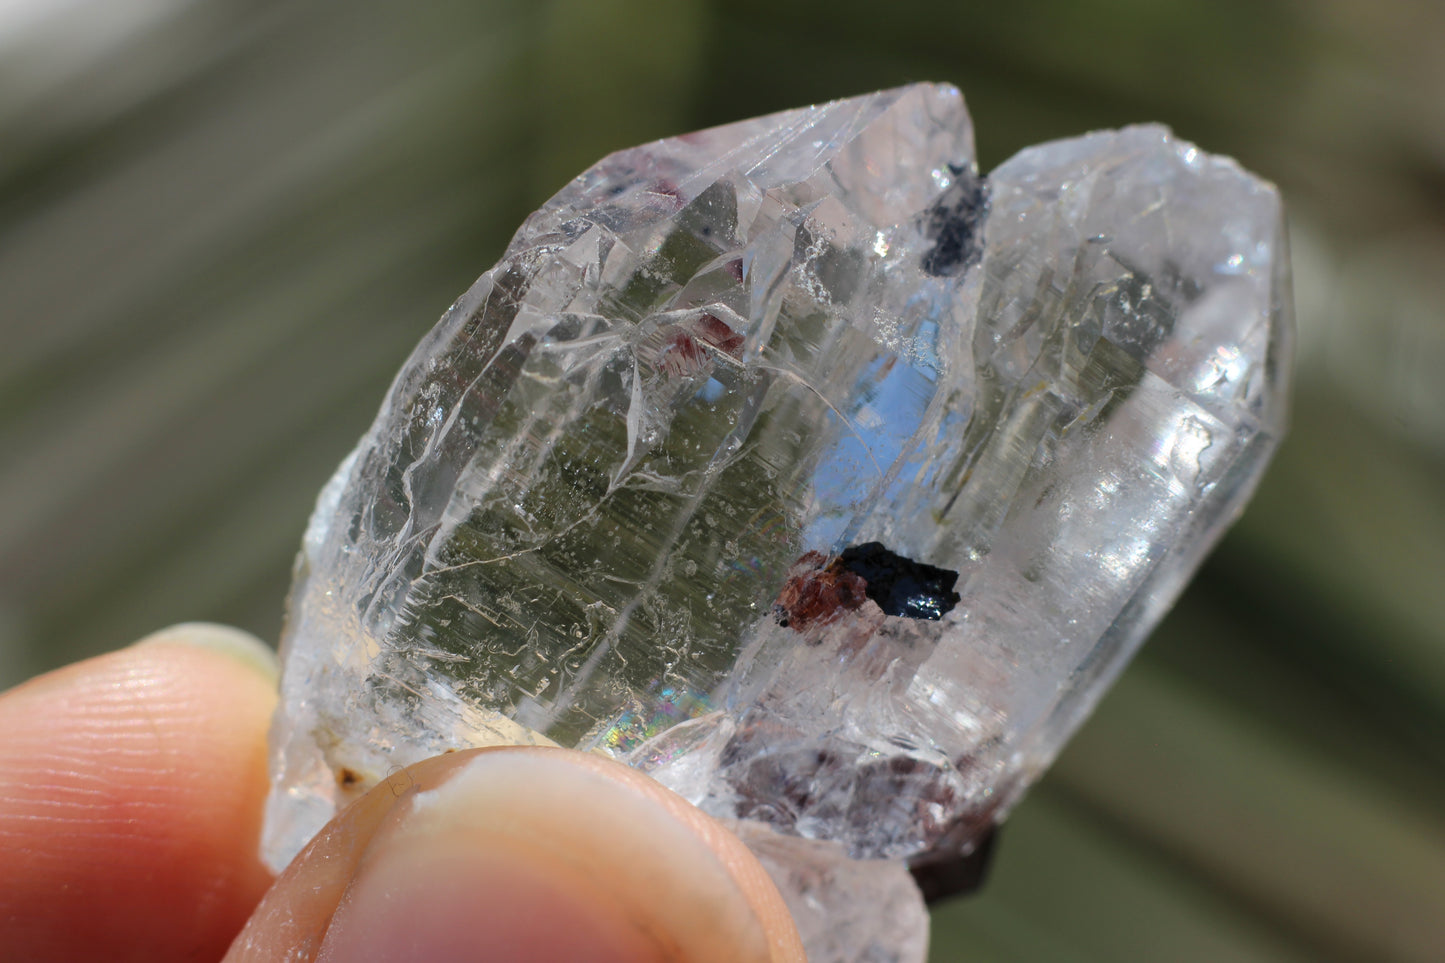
x,y
801,466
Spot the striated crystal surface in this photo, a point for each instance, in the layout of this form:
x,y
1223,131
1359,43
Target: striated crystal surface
x,y
801,466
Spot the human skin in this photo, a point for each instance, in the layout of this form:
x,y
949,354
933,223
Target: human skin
x,y
131,794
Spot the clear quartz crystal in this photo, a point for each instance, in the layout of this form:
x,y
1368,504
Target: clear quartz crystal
x,y
804,468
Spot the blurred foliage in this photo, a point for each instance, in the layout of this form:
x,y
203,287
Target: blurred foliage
x,y
223,224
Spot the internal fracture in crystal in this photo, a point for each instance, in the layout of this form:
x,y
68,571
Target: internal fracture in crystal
x,y
801,466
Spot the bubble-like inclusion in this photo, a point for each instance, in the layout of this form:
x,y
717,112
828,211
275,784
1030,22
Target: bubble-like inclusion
x,y
801,466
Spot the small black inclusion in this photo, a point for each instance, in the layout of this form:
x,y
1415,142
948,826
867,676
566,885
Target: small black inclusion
x,y
900,585
953,224
940,877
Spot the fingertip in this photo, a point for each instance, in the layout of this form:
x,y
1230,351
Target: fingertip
x,y
243,647
131,788
522,854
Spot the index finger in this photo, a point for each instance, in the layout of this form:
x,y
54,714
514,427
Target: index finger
x,y
131,792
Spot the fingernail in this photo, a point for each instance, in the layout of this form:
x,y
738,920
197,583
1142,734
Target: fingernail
x,y
542,855
241,646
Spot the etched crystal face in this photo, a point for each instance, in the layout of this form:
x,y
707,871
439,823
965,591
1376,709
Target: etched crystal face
x,y
800,466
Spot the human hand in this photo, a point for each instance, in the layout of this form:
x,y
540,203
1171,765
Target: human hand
x,y
131,793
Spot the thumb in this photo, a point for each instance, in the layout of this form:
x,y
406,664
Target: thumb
x,y
523,854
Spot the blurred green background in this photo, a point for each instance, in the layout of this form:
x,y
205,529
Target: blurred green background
x,y
224,224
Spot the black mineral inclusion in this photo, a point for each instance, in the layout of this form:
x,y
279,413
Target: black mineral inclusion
x,y
953,224
901,586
